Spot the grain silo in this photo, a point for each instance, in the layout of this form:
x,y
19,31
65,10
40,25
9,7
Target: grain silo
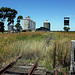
x,y
28,24
47,24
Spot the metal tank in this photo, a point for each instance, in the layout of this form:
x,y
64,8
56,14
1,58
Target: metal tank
x,y
47,24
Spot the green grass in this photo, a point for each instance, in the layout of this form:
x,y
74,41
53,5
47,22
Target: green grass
x,y
12,45
32,45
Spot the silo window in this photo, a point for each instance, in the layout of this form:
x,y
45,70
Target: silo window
x,y
74,55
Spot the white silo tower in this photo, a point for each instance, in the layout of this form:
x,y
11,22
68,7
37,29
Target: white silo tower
x,y
28,24
47,24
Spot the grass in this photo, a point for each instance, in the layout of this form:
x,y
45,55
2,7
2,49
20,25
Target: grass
x,y
15,44
33,44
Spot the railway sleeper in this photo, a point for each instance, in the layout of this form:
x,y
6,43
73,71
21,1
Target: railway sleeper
x,y
24,70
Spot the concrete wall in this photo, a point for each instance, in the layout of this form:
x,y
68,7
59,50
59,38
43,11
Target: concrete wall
x,y
25,24
28,24
72,66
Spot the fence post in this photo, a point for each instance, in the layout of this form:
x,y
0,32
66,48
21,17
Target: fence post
x,y
72,56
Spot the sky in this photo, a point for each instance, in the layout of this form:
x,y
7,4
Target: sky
x,y
41,10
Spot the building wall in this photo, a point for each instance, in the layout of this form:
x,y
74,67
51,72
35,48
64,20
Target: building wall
x,y
28,24
25,24
47,24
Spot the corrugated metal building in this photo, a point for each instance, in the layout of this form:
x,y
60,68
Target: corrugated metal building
x,y
28,24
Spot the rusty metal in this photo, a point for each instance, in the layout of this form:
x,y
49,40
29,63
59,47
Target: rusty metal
x,y
8,66
55,72
33,67
64,72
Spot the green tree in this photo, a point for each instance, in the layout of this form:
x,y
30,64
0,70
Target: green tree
x,y
1,27
66,29
7,13
3,13
3,16
19,18
11,16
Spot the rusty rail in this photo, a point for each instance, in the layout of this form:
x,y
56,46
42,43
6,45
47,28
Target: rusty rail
x,y
33,67
55,72
63,72
9,66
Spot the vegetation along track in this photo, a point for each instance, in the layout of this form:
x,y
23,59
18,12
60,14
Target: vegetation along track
x,y
48,41
30,51
26,70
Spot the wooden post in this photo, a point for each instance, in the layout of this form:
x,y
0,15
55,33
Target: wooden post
x,y
54,56
72,56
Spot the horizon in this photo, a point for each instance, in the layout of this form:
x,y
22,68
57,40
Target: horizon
x,y
40,10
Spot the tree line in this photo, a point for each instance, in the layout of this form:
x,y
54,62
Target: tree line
x,y
10,15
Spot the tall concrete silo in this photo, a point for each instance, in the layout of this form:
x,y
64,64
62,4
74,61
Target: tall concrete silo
x,y
47,24
28,24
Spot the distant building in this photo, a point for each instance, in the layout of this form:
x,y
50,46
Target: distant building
x,y
47,24
42,29
28,24
10,28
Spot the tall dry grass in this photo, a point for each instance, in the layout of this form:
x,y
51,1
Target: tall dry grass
x,y
27,44
33,44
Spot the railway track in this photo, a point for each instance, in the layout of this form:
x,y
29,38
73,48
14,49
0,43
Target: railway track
x,y
2,71
22,70
10,69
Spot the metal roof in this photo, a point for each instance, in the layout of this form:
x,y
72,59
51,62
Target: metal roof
x,y
46,21
27,18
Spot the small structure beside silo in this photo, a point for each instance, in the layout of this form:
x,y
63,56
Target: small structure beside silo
x,y
10,28
47,24
28,24
72,66
42,29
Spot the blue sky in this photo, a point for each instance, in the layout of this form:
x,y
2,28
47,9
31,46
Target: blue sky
x,y
41,10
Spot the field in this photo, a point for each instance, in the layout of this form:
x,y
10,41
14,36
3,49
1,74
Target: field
x,y
53,48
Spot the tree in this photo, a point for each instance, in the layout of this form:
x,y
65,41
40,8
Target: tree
x,y
19,18
11,16
3,16
66,29
7,13
1,27
3,13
